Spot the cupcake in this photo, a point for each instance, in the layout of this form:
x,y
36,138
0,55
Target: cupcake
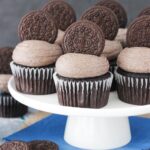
x,y
111,50
33,66
80,83
9,107
60,36
133,75
121,37
82,77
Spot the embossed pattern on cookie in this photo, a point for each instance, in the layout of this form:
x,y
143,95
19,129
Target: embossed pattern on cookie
x,y
104,18
62,12
146,11
37,26
138,34
118,9
15,145
84,37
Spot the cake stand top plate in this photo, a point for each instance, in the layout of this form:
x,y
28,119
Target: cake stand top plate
x,y
49,103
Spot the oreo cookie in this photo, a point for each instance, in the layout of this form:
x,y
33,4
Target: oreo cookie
x,y
62,12
36,25
138,34
118,9
15,145
84,37
144,12
105,19
5,59
42,145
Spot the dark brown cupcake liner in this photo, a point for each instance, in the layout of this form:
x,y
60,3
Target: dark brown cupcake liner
x,y
83,93
133,89
36,81
10,108
112,69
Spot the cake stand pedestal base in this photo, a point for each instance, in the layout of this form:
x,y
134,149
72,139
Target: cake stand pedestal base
x,y
97,132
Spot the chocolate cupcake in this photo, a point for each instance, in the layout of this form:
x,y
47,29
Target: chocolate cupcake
x,y
118,10
33,66
133,75
111,50
83,84
9,107
122,37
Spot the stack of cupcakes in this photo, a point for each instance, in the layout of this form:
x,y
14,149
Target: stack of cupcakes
x,y
133,74
9,107
82,78
41,33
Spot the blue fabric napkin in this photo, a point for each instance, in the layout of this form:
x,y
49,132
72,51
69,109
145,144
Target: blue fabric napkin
x,y
52,128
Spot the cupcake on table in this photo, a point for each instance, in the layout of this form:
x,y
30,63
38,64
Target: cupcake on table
x,y
41,33
133,74
9,107
82,78
107,19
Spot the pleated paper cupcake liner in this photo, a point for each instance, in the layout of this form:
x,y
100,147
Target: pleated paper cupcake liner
x,y
10,108
133,89
36,81
84,93
112,69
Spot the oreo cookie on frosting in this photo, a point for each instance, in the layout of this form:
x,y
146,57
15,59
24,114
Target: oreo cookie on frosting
x,y
62,12
37,25
104,18
118,9
42,145
84,37
15,145
138,34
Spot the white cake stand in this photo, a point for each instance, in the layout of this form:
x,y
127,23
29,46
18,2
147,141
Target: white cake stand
x,y
105,128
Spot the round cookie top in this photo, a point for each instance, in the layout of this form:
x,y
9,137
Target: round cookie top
x,y
104,18
15,145
35,53
135,60
37,26
112,49
118,9
84,37
62,12
42,145
5,59
138,34
144,12
81,66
